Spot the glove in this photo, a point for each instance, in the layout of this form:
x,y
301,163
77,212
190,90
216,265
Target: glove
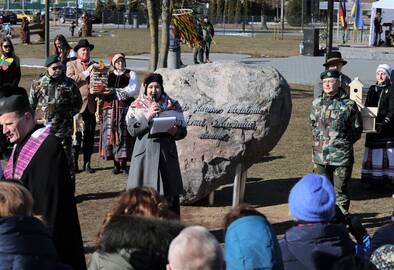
x,y
357,229
386,122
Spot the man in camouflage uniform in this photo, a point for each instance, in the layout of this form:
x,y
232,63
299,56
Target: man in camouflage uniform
x,y
334,62
336,125
55,99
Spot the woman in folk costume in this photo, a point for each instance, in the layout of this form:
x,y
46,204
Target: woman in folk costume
x,y
155,158
10,70
378,162
115,142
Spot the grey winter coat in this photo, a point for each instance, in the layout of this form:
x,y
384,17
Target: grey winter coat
x,y
113,261
154,160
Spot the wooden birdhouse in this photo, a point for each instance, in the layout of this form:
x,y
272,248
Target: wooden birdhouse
x,y
368,114
356,92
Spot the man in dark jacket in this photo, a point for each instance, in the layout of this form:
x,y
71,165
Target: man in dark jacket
x,y
314,243
39,163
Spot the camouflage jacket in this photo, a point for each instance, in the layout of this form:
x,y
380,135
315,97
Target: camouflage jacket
x,y
56,100
336,125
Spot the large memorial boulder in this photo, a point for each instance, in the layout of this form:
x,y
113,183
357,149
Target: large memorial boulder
x,y
236,113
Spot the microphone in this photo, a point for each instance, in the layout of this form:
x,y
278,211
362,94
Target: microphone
x,y
154,98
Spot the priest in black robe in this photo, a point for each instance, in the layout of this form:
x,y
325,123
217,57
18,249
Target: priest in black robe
x,y
38,161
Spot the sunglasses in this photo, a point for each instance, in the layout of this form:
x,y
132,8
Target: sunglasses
x,y
56,68
6,46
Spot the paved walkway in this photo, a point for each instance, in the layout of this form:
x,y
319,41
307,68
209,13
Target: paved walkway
x,y
296,69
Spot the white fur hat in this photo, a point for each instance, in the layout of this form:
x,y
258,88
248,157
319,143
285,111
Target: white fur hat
x,y
384,68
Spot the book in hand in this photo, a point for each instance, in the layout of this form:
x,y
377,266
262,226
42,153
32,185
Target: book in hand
x,y
162,124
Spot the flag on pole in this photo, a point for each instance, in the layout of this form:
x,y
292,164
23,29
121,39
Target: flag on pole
x,y
357,14
342,13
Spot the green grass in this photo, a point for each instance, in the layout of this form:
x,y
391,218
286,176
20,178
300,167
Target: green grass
x,y
137,41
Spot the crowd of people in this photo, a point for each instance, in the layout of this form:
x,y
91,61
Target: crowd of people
x,y
45,128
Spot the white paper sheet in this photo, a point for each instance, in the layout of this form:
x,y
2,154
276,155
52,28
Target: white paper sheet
x,y
162,124
171,113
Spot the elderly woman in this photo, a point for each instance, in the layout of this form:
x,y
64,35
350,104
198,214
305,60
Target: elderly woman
x,y
115,142
10,70
155,159
379,147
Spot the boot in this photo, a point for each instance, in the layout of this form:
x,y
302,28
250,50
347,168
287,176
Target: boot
x,y
76,166
116,169
124,168
87,168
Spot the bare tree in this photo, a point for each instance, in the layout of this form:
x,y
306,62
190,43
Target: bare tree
x,y
152,7
263,11
166,13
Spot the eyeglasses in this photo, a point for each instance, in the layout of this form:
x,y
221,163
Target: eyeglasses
x,y
6,46
56,68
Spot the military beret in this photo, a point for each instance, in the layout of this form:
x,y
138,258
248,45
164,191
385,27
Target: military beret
x,y
13,103
51,59
329,74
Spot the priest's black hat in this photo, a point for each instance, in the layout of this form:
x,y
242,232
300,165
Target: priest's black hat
x,y
14,103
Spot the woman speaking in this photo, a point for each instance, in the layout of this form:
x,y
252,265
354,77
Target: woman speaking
x,y
154,160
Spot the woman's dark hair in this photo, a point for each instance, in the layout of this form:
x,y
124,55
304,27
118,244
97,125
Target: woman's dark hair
x,y
153,77
64,45
8,40
239,211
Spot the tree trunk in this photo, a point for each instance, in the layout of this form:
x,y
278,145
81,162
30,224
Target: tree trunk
x,y
154,33
166,13
263,16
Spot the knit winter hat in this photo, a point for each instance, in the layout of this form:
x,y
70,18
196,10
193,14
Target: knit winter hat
x,y
383,257
384,68
312,199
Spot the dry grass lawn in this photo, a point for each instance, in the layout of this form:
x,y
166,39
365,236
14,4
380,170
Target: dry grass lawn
x,y
137,41
267,188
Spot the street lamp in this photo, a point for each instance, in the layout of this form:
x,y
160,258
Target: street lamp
x,y
330,13
46,28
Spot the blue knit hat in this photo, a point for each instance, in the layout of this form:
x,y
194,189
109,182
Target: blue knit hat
x,y
312,199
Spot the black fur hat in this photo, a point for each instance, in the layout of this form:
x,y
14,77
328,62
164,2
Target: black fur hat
x,y
148,239
153,77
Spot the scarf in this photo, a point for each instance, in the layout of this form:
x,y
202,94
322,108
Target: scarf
x,y
165,103
29,149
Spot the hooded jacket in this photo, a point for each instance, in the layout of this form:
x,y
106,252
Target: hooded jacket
x,y
251,244
25,245
134,242
315,246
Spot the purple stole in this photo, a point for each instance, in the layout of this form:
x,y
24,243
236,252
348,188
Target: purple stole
x,y
26,154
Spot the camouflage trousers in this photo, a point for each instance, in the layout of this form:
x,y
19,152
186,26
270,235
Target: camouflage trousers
x,y
68,149
339,176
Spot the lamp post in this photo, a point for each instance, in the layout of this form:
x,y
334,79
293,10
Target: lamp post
x,y
282,17
46,28
330,18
